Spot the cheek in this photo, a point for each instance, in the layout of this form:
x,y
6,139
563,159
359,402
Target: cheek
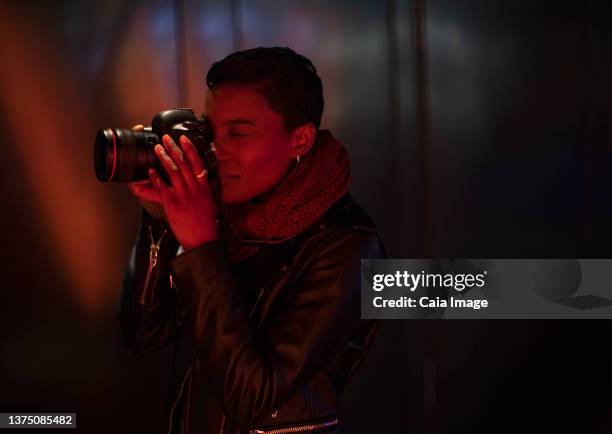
x,y
260,169
265,161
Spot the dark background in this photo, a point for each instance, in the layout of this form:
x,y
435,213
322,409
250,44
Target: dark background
x,y
475,129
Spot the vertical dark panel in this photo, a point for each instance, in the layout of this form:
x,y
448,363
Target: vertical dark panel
x,y
520,112
410,166
506,86
422,118
393,111
597,149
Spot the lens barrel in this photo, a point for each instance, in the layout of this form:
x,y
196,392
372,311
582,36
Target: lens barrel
x,y
122,155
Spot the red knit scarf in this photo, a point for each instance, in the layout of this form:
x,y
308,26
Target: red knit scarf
x,y
310,188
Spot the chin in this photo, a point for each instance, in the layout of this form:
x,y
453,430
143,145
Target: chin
x,y
230,197
231,201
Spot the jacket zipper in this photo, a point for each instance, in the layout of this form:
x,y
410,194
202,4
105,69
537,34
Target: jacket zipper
x,y
154,250
177,399
261,291
296,428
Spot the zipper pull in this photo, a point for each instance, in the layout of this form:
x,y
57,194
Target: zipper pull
x,y
153,255
261,291
155,247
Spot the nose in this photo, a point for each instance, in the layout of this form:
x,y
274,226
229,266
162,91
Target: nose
x,y
219,151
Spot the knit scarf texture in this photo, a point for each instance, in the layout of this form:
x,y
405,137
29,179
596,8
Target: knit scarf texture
x,y
310,188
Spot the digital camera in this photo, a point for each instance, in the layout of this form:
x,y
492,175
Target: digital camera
x,y
124,155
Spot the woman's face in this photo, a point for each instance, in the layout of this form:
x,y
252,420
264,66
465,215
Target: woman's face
x,y
252,146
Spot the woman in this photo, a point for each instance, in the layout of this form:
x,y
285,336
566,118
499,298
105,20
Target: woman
x,y
266,323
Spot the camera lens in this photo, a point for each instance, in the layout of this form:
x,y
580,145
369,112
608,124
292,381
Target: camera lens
x,y
124,155
105,154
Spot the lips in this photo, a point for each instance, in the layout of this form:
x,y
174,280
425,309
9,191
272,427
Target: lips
x,y
224,174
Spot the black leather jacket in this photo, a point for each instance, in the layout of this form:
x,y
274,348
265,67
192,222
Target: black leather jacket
x,y
266,345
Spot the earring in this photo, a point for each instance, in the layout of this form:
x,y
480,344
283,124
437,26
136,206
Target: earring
x,y
298,158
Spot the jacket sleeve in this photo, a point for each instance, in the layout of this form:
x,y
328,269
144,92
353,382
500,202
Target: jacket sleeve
x,y
250,373
147,308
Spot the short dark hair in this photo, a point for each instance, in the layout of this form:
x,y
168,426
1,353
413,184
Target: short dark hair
x,y
287,80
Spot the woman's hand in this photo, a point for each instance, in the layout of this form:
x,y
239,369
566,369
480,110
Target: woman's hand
x,y
188,205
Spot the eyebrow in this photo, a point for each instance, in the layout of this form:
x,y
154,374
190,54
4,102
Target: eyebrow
x,y
233,122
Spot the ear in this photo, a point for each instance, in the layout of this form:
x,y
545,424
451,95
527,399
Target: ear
x,y
303,138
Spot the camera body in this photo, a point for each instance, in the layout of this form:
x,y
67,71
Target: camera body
x,y
123,155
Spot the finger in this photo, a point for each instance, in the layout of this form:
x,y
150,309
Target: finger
x,y
169,165
175,152
192,155
144,190
197,166
182,162
161,188
140,182
138,127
